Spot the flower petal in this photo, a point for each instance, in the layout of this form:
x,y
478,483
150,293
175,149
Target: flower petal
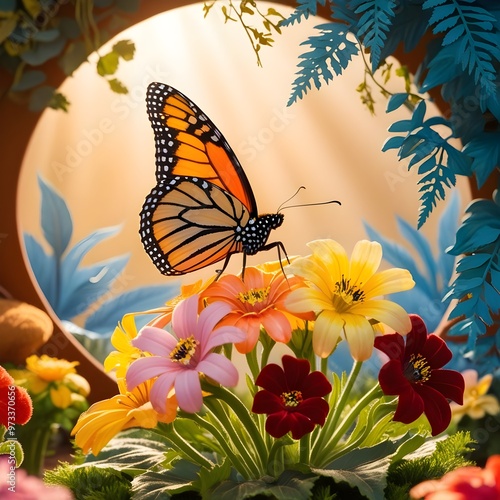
x,y
185,317
222,335
219,368
410,406
308,299
250,325
272,378
160,390
327,330
359,335
385,311
436,351
436,408
315,409
392,345
276,325
146,368
388,281
296,371
449,383
266,402
188,391
155,341
315,385
392,380
365,260
209,318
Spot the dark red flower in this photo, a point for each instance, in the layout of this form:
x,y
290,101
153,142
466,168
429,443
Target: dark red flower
x,y
291,397
15,402
414,373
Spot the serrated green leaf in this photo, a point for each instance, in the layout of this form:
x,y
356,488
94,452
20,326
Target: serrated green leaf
x,y
108,64
124,49
117,86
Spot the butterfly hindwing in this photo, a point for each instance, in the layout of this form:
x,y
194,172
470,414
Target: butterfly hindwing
x,y
189,144
189,223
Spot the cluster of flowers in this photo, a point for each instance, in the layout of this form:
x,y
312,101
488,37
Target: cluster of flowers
x,y
181,361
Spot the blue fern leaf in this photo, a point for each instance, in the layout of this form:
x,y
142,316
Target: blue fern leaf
x,y
476,286
107,316
438,161
56,220
484,149
331,51
374,24
470,31
303,10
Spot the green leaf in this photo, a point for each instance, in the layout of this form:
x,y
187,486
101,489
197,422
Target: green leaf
x,y
15,451
161,485
125,49
217,474
59,101
117,86
291,485
73,57
108,64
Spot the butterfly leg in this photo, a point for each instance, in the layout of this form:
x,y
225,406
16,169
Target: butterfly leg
x,y
219,272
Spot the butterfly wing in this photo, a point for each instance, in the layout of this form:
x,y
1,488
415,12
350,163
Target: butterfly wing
x,y
189,144
189,223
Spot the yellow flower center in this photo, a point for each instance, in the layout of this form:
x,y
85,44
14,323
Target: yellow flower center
x,y
349,293
184,351
292,398
254,295
418,369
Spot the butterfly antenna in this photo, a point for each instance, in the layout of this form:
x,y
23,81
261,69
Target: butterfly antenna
x,y
282,207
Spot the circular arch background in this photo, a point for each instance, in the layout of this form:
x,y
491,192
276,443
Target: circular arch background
x,y
280,149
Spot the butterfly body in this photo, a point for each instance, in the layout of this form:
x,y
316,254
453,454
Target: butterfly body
x,y
202,209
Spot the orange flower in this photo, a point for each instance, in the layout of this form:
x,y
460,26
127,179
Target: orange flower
x,y
464,483
257,301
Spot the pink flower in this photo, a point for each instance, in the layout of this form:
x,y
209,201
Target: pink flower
x,y
16,483
178,359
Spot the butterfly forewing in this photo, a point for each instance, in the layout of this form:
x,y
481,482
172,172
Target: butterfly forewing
x,y
189,144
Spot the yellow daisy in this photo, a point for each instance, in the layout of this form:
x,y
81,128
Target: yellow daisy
x,y
50,369
345,294
104,419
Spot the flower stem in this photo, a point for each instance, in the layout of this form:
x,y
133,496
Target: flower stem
x,y
169,432
245,418
235,459
253,363
333,417
305,448
244,446
329,447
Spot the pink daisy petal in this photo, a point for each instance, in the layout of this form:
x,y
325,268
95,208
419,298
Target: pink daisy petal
x,y
155,341
161,389
209,318
185,317
188,391
220,369
223,335
147,368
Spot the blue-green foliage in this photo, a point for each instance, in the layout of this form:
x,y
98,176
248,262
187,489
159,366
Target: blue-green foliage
x,y
433,273
304,9
72,288
373,25
331,51
438,161
477,286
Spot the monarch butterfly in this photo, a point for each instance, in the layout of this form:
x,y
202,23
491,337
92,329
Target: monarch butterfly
x,y
202,209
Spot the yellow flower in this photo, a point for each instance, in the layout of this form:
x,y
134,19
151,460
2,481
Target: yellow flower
x,y
346,295
125,353
29,380
103,420
50,369
476,402
60,396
